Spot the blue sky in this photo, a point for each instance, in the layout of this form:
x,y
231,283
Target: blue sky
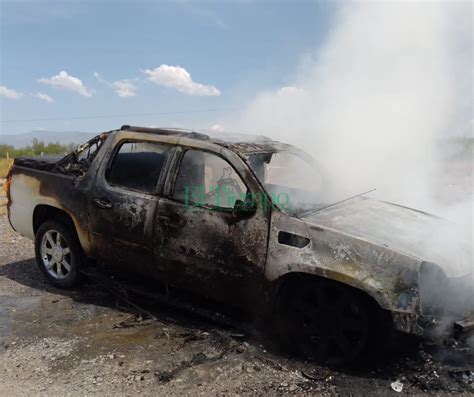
x,y
231,49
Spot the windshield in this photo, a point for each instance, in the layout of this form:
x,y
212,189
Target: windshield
x,y
292,180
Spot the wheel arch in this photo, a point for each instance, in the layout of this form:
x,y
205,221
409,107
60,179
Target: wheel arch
x,y
380,322
294,277
47,212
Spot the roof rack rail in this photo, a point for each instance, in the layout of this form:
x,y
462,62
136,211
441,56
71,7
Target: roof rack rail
x,y
165,131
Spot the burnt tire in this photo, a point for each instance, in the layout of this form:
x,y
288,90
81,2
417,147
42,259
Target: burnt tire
x,y
59,253
328,322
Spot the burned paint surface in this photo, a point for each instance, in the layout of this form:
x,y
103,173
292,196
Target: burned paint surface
x,y
390,278
216,254
231,257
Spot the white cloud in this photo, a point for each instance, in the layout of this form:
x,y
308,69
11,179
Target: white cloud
x,y
43,97
67,82
179,78
123,88
9,93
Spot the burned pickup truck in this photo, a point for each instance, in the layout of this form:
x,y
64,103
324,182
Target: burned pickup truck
x,y
242,221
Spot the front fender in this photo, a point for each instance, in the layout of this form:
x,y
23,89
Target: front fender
x,y
390,278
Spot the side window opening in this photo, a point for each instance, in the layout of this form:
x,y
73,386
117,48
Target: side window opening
x,y
206,179
137,166
78,161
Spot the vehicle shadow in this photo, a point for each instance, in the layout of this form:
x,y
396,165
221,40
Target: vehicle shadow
x,y
27,273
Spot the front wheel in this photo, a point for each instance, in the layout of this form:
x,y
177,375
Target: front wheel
x,y
326,321
58,254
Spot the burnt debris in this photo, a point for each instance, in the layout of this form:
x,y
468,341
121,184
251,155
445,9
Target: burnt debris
x,y
78,162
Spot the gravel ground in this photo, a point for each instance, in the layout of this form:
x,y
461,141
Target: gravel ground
x,y
55,342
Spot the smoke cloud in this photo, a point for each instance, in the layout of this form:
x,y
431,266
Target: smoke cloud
x,y
392,80
379,104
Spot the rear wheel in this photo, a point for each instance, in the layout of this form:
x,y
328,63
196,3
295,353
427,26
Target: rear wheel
x,y
58,254
326,321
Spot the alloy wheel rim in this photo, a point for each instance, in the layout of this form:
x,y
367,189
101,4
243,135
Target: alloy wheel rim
x,y
56,254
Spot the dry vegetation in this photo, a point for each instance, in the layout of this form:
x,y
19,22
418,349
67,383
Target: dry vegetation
x,y
4,167
3,199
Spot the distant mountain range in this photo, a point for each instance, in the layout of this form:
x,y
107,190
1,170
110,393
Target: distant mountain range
x,y
62,137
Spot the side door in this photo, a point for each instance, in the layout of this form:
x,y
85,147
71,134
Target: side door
x,y
210,242
123,204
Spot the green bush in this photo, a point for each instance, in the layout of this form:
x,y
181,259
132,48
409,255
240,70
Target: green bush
x,y
37,148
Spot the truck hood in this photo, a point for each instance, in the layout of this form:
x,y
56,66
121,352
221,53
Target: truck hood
x,y
405,230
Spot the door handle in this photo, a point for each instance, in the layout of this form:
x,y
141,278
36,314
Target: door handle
x,y
103,203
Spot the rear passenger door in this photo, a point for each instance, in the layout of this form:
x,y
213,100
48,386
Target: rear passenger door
x,y
123,203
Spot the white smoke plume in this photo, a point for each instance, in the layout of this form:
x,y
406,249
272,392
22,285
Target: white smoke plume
x,y
373,104
376,105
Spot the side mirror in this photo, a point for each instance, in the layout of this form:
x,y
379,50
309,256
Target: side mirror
x,y
244,209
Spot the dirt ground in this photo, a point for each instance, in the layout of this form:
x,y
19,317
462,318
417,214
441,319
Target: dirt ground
x,y
81,342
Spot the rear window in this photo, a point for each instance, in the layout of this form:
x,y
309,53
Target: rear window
x,y
137,166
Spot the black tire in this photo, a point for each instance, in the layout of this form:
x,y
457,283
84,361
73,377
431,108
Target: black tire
x,y
72,254
328,322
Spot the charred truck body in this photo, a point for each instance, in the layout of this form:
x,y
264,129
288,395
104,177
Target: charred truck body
x,y
239,220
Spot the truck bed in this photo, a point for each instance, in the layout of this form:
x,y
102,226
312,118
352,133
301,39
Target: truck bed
x,y
39,163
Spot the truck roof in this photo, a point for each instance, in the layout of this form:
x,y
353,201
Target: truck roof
x,y
244,144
